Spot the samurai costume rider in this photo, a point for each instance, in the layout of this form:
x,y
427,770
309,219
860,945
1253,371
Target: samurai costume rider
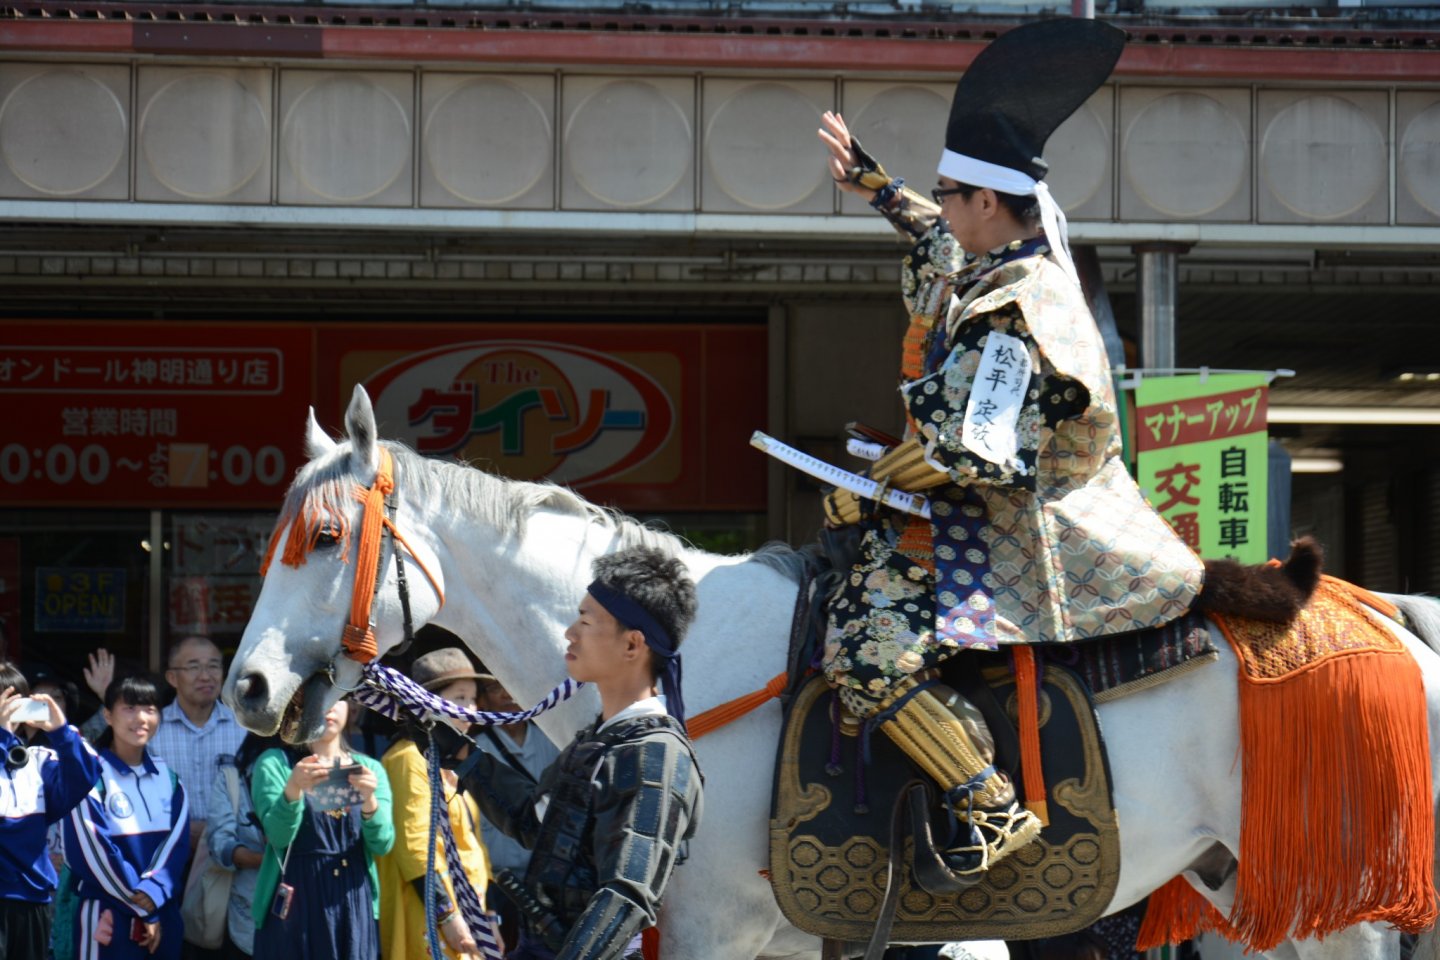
x,y
624,798
1037,532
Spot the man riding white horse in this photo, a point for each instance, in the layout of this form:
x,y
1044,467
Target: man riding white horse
x,y
1037,533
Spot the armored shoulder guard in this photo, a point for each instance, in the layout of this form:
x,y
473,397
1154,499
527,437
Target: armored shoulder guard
x,y
646,805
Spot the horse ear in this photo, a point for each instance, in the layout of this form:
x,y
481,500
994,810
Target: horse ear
x,y
360,425
317,441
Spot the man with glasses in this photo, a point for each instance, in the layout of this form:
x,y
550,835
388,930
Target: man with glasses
x,y
1037,533
196,729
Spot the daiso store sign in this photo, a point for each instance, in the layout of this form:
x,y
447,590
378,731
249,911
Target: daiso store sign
x,y
639,415
572,415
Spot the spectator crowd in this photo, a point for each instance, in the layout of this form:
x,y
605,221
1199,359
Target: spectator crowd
x,y
159,827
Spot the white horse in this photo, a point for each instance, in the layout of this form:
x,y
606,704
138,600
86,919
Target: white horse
x,y
513,560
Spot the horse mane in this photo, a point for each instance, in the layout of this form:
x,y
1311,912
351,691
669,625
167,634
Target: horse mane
x,y
507,505
320,500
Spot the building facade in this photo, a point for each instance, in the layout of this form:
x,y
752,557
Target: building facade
x,y
599,245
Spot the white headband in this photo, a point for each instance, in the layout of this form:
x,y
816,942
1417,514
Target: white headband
x,y
981,173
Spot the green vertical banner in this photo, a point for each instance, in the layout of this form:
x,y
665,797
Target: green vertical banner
x,y
1201,459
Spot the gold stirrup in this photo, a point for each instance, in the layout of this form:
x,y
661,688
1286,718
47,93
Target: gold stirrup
x,y
947,737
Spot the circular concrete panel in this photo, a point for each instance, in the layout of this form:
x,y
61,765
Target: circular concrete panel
x,y
904,127
62,133
204,135
1076,153
628,144
1184,155
760,148
1420,158
1323,157
347,139
487,141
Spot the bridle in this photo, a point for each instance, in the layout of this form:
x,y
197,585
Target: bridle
x,y
357,639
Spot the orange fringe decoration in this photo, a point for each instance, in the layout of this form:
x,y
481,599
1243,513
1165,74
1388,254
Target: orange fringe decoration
x,y
1032,775
1176,913
306,523
732,710
1335,754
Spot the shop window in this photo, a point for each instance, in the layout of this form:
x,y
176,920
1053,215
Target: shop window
x,y
74,581
212,573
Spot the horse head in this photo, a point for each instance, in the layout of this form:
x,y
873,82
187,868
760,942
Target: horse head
x,y
292,665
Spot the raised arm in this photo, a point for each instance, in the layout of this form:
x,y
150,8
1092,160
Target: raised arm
x,y
855,171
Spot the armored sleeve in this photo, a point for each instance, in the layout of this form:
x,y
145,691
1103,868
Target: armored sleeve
x,y
647,805
954,417
925,272
506,798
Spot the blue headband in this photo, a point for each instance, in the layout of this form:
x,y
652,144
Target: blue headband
x,y
632,616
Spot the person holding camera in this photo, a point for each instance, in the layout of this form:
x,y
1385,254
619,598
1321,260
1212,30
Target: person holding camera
x,y
38,787
326,817
128,842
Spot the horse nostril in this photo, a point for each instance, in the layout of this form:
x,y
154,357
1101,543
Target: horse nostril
x,y
251,690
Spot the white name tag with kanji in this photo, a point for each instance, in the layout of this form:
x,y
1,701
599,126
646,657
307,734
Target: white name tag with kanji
x,y
992,414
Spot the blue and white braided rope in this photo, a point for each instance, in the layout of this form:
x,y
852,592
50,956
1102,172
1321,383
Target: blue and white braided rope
x,y
467,901
389,692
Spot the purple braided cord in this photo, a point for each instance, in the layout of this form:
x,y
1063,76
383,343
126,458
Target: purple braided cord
x,y
466,898
390,693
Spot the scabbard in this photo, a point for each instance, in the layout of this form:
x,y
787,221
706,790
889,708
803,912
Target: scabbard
x,y
542,922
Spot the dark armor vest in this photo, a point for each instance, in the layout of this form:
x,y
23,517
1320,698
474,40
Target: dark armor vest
x,y
630,783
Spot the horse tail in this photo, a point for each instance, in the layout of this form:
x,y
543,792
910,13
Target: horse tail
x,y
1422,615
1427,942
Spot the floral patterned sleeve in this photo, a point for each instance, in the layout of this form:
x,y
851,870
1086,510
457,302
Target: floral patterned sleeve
x,y
938,403
925,271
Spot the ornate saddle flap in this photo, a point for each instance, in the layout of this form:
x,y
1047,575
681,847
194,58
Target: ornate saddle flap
x,y
828,859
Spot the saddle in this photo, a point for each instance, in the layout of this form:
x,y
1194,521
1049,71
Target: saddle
x,y
836,822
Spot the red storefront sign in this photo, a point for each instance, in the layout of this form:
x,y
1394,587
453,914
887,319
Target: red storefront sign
x,y
10,573
151,414
644,416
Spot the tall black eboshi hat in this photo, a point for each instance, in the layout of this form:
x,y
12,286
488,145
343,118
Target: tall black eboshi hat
x,y
1016,93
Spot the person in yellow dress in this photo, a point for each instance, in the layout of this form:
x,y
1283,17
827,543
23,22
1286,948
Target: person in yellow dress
x,y
449,673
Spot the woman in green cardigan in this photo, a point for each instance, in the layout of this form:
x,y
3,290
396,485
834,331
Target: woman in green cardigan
x,y
325,816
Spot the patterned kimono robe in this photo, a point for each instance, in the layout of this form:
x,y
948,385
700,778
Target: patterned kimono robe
x,y
1053,546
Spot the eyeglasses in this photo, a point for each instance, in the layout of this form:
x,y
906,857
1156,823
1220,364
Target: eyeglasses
x,y
216,667
938,194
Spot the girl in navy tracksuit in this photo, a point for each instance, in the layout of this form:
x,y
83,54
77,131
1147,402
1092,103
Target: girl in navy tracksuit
x,y
38,786
128,842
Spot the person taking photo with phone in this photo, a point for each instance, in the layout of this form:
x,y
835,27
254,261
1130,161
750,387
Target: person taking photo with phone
x,y
325,813
128,842
38,786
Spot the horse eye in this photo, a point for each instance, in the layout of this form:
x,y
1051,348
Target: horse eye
x,y
327,538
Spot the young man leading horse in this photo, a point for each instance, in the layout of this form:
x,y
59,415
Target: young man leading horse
x,y
625,795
